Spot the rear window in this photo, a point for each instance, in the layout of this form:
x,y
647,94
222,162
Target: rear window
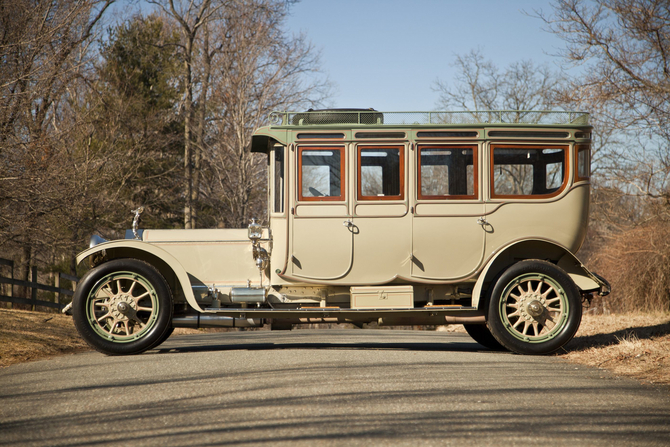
x,y
583,168
528,171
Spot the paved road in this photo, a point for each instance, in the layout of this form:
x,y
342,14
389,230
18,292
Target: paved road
x,y
325,387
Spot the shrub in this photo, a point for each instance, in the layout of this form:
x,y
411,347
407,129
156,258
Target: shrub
x,y
636,262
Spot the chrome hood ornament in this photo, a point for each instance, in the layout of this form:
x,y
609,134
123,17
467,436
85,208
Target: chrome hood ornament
x,y
136,222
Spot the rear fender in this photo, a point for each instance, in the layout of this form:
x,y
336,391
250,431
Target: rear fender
x,y
535,249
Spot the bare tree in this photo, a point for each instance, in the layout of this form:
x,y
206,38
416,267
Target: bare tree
x,y
193,18
521,87
43,46
624,46
259,69
480,85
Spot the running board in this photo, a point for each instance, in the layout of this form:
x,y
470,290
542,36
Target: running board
x,y
433,315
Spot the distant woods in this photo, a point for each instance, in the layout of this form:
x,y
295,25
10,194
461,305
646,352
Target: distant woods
x,y
96,120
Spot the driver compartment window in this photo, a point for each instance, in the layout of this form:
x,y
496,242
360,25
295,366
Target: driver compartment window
x,y
321,173
278,202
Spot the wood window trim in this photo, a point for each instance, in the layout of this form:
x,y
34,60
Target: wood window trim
x,y
566,150
401,151
578,148
475,171
343,174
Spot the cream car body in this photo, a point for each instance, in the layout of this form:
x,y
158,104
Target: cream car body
x,y
371,220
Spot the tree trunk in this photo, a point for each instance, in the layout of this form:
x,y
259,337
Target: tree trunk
x,y
188,155
200,130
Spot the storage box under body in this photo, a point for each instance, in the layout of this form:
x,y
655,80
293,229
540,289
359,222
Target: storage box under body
x,y
387,297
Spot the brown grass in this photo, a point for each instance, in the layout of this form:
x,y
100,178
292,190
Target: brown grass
x,y
636,261
632,345
26,336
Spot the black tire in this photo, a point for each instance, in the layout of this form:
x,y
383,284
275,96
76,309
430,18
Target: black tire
x,y
123,307
481,334
165,336
534,308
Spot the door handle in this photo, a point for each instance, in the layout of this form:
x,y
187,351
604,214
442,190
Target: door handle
x,y
348,223
482,221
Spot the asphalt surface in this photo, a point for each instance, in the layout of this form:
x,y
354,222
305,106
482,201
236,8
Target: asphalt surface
x,y
325,387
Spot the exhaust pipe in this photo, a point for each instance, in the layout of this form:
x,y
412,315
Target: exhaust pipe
x,y
430,321
214,321
465,320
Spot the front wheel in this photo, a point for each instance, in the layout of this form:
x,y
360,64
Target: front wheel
x,y
123,306
534,308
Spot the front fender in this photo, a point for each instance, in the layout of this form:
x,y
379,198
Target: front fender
x,y
156,256
537,249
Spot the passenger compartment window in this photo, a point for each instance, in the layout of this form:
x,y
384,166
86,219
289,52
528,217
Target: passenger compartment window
x,y
528,170
381,173
321,173
447,172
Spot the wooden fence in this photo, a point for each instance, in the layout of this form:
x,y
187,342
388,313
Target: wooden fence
x,y
34,286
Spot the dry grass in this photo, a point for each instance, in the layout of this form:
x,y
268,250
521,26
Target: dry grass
x,y
26,336
635,261
634,345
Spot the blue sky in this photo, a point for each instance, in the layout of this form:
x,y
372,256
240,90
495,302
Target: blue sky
x,y
387,54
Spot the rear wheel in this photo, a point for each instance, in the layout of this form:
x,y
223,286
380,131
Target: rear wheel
x,y
481,334
123,306
535,308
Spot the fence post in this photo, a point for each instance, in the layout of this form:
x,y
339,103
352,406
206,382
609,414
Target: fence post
x,y
33,281
57,279
8,288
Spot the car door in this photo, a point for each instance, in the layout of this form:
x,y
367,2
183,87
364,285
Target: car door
x,y
448,232
382,222
321,242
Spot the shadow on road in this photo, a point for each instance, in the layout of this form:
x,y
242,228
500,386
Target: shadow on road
x,y
259,341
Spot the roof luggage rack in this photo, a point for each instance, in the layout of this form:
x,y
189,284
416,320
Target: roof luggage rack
x,y
373,117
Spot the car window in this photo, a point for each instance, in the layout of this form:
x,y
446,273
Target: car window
x,y
519,171
380,173
447,172
321,172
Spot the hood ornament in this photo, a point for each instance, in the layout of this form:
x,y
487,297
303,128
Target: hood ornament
x,y
136,222
261,256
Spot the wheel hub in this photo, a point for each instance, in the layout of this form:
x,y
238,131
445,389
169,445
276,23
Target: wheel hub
x,y
535,308
121,306
531,305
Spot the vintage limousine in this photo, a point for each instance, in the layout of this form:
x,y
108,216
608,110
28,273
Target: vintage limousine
x,y
394,218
